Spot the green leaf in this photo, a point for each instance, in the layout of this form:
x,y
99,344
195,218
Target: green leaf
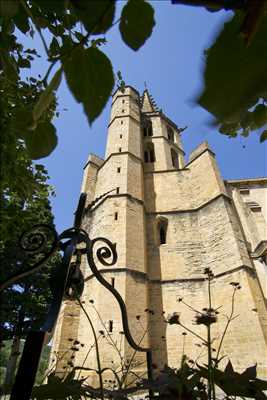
x,y
245,132
79,36
235,76
8,8
97,16
90,78
247,121
9,66
98,42
229,129
54,48
24,63
41,22
22,122
47,96
21,20
42,141
260,115
263,136
137,22
51,6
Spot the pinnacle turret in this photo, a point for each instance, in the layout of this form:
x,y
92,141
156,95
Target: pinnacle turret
x,y
148,104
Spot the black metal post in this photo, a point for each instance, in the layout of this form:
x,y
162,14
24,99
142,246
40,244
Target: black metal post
x,y
149,371
28,366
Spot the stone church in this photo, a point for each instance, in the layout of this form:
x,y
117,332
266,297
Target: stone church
x,y
170,221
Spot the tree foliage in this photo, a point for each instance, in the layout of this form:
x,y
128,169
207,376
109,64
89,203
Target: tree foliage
x,y
76,29
5,354
235,77
24,203
72,32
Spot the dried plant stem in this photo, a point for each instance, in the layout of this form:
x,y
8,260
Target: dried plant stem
x,y
96,347
87,354
132,358
229,319
109,336
190,307
193,333
211,384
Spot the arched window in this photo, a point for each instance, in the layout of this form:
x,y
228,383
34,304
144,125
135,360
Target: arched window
x,y
162,230
147,127
149,153
175,162
170,134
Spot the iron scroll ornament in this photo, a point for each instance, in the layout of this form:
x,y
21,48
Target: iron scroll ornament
x,y
103,254
41,242
37,243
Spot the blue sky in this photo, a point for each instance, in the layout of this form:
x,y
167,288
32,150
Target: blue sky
x,y
171,64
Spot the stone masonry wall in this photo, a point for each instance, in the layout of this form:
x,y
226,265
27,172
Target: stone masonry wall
x,y
245,341
183,190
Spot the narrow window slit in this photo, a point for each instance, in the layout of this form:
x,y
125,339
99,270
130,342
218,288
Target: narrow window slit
x,y
162,234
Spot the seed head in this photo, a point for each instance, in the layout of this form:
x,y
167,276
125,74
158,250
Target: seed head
x,y
206,318
174,319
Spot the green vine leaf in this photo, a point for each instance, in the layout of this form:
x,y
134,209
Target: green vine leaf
x,y
137,22
42,141
97,16
90,78
47,96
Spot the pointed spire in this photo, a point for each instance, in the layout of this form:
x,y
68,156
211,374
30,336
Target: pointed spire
x,y
148,103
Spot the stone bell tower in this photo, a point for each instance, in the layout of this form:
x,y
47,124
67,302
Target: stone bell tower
x,y
169,220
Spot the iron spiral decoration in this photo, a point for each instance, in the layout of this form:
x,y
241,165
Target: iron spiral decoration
x,y
107,256
40,243
37,239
